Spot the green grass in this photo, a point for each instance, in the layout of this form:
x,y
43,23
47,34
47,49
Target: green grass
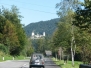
x,y
8,58
19,57
68,64
11,58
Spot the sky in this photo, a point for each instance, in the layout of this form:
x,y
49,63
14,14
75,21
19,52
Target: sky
x,y
33,10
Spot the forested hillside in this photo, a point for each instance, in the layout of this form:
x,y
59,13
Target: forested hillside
x,y
43,26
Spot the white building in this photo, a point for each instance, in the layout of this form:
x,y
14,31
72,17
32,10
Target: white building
x,y
37,36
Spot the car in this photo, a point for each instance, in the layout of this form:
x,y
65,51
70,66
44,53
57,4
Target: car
x,y
37,60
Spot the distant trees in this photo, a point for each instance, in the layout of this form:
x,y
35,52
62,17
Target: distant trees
x,y
42,26
40,45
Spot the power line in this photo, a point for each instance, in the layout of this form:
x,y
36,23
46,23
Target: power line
x,y
31,4
31,9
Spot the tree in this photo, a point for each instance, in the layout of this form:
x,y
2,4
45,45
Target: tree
x,y
83,17
11,28
2,23
83,40
3,49
28,48
64,7
82,21
62,36
41,44
9,34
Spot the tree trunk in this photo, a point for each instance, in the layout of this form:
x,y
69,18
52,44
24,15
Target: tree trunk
x,y
72,52
72,55
73,47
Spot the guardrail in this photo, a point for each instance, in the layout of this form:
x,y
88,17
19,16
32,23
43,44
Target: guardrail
x,y
84,66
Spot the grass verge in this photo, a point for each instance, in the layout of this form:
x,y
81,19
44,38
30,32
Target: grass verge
x,y
68,64
4,58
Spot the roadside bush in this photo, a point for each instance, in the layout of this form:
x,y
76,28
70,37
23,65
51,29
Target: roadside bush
x,y
3,49
2,53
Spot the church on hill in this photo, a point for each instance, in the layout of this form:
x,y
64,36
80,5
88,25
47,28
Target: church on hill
x,y
37,36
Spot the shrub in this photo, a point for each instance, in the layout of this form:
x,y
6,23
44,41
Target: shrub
x,y
2,53
3,49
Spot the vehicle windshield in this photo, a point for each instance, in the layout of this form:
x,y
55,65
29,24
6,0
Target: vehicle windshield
x,y
36,56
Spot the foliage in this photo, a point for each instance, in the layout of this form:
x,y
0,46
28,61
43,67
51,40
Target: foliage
x,y
8,57
68,64
65,5
14,17
19,57
12,34
83,42
9,34
40,45
62,35
2,53
3,49
43,26
28,49
83,17
82,21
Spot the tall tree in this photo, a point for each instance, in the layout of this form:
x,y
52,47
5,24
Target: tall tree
x,y
83,17
2,23
62,36
9,34
64,7
12,26
82,21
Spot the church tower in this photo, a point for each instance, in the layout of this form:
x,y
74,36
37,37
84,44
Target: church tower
x,y
33,33
43,33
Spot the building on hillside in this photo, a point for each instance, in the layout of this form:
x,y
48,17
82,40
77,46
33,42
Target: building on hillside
x,y
37,36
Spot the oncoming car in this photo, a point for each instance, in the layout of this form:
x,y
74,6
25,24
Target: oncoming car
x,y
37,60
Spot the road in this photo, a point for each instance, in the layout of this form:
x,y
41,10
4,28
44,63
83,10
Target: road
x,y
25,64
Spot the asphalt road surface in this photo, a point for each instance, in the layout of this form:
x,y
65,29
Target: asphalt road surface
x,y
25,64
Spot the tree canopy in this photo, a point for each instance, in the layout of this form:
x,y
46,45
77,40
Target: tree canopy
x,y
12,34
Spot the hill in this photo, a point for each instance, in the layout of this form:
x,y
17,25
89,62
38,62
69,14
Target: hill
x,y
42,26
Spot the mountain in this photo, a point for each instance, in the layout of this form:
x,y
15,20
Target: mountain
x,y
42,26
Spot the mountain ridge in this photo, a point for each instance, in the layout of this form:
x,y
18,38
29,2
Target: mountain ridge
x,y
42,26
